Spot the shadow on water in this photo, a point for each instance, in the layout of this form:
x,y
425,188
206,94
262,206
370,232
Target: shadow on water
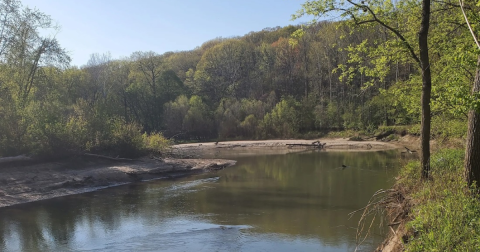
x,y
284,202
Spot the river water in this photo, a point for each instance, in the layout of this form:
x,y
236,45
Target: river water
x,y
267,202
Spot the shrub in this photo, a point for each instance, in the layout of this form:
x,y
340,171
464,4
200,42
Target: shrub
x,y
126,139
156,143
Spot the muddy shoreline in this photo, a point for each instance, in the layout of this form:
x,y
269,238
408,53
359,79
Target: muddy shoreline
x,y
27,182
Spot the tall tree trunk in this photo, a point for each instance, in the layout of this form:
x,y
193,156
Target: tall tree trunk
x,y
472,151
426,88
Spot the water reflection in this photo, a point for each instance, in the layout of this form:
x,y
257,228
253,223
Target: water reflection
x,y
268,202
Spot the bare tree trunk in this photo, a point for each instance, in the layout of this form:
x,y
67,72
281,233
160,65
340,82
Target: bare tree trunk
x,y
426,88
472,150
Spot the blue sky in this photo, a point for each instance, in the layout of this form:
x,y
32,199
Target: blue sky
x,y
125,26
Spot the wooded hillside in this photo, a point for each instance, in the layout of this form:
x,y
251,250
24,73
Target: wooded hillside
x,y
272,83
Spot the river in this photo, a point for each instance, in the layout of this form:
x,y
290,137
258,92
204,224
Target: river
x,y
266,202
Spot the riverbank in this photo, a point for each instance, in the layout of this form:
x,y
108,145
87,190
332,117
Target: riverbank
x,y
291,145
22,183
26,182
439,214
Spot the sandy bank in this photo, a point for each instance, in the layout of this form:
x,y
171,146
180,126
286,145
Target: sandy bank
x,y
26,183
337,144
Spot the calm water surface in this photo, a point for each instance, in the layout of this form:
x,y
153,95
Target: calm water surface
x,y
267,202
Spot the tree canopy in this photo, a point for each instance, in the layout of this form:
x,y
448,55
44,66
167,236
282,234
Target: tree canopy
x,y
266,84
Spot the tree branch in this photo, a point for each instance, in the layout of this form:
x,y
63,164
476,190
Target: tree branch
x,y
469,26
375,19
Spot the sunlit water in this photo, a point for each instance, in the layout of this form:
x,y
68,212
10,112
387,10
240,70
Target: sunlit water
x,y
274,202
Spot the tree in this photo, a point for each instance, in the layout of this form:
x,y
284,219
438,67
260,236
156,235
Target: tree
x,y
197,121
283,120
384,14
99,73
287,67
25,51
151,86
182,62
175,112
472,150
121,70
224,71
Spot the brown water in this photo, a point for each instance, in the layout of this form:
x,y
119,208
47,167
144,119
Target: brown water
x,y
267,202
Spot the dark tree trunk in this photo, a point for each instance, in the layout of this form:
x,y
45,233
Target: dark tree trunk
x,y
472,151
426,88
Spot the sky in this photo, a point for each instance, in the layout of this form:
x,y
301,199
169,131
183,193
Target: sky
x,y
122,27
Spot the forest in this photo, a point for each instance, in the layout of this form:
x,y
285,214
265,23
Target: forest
x,y
282,82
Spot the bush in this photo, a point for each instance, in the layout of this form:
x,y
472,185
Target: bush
x,y
155,143
126,139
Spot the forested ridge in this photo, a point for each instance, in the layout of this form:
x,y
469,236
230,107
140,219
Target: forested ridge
x,y
276,83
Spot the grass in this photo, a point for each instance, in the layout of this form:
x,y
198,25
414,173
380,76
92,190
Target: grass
x,y
445,213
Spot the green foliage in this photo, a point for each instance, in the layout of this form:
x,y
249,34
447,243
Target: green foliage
x,y
175,113
447,127
249,126
327,116
156,143
224,69
445,214
125,139
228,117
283,120
198,120
236,118
415,130
306,113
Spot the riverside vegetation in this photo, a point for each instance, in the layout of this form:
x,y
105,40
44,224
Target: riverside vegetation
x,y
444,212
405,66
